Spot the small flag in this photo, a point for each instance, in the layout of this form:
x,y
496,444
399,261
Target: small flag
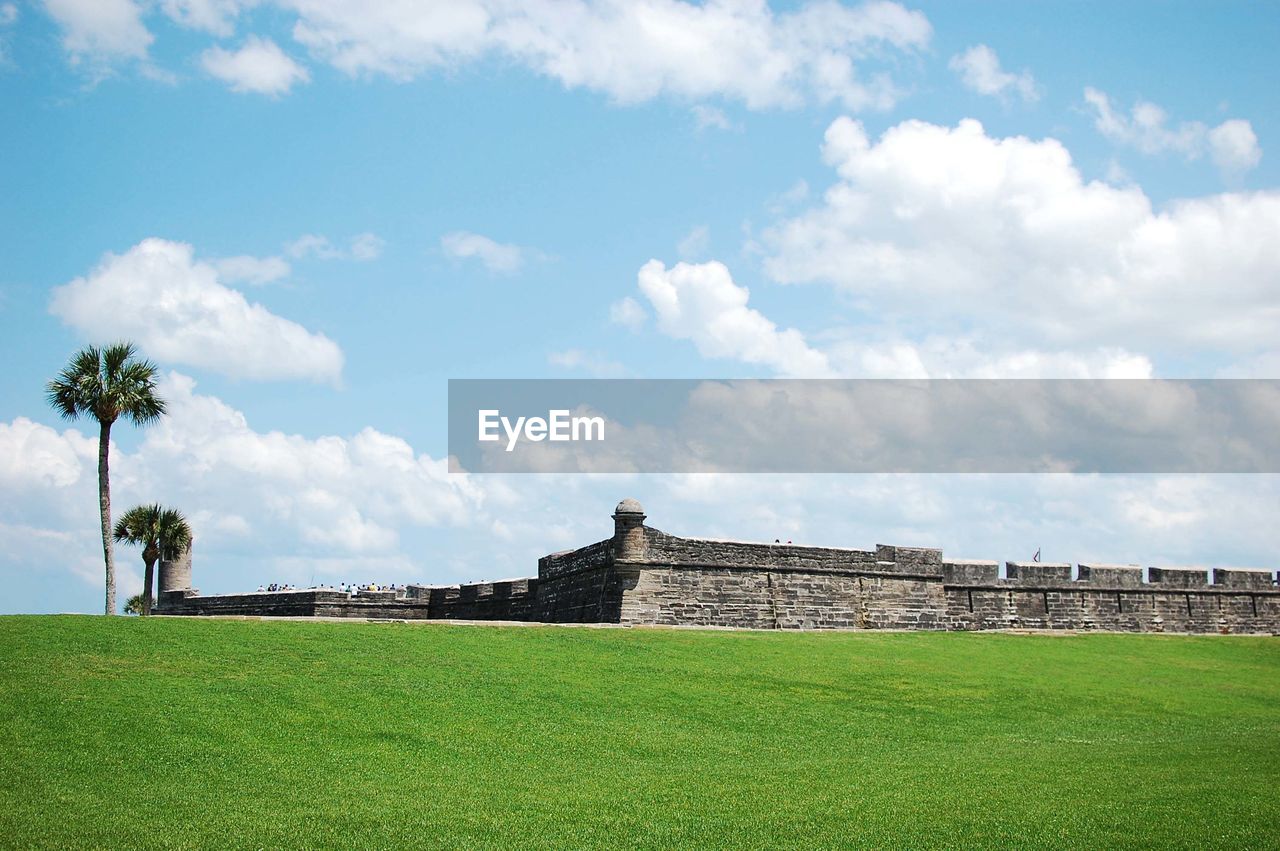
x,y
1036,557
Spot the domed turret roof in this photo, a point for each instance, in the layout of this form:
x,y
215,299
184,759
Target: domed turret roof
x,y
629,506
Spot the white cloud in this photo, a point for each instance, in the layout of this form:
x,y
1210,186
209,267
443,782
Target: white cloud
x,y
8,17
737,50
701,303
719,322
1004,239
345,492
497,257
212,16
328,499
628,313
260,67
784,201
1116,174
176,309
979,69
1232,145
363,247
710,117
101,30
312,245
35,455
246,269
695,243
592,363
367,246
868,354
634,51
1145,128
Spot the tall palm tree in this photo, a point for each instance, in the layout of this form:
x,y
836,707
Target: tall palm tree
x,y
107,384
162,532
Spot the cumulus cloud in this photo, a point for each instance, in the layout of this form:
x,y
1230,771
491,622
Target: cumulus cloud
x,y
260,67
177,310
502,258
628,313
35,454
710,117
276,497
1145,128
211,16
701,303
367,246
247,269
343,492
1003,237
979,69
8,17
870,351
101,30
634,51
864,353
594,364
695,243
786,200
1232,145
313,245
363,247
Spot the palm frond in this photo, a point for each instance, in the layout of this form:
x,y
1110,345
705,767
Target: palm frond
x,y
139,525
175,534
155,527
73,392
107,383
136,394
114,359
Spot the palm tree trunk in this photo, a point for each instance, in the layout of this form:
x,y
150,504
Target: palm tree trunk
x,y
146,585
104,506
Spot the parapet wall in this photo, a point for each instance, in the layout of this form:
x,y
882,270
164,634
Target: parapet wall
x,y
1110,597
642,576
305,603
692,581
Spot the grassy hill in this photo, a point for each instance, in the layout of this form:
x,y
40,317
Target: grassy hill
x,y
129,732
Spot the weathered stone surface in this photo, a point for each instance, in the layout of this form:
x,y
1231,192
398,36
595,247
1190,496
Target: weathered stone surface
x,y
642,576
1038,573
1242,579
1114,575
970,571
175,575
1179,577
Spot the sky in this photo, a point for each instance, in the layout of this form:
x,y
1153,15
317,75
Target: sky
x,y
311,214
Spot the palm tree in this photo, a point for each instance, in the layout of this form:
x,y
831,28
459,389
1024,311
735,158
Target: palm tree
x,y
162,532
107,384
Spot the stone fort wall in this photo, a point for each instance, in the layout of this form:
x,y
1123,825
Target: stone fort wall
x,y
642,576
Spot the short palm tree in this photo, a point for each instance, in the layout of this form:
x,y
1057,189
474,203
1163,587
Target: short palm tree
x,y
107,384
163,533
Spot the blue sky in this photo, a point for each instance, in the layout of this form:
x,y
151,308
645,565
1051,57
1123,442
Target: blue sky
x,y
312,214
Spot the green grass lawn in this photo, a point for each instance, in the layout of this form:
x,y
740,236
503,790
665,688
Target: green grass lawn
x,y
211,733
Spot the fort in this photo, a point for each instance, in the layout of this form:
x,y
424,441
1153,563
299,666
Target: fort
x,y
641,576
